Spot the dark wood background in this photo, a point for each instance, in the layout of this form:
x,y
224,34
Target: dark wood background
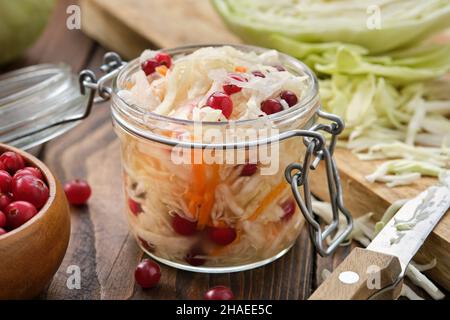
x,y
100,242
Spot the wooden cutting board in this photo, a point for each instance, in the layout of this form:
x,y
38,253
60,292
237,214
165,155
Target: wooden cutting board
x,y
130,26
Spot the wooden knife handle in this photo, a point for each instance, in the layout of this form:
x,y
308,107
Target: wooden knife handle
x,y
362,274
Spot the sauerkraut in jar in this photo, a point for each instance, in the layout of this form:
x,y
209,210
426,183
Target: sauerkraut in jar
x,y
203,211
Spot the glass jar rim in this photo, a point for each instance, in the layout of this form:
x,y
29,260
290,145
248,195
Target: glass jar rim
x,y
305,105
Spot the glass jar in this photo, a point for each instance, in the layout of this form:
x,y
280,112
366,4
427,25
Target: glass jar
x,y
191,208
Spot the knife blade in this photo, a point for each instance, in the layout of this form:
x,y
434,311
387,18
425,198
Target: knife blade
x,y
368,271
405,233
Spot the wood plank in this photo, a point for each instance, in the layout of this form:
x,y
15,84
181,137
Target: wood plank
x,y
108,30
132,26
361,197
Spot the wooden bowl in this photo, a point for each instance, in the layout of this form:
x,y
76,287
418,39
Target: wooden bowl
x,y
31,254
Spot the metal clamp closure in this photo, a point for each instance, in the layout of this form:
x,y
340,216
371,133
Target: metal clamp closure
x,y
298,176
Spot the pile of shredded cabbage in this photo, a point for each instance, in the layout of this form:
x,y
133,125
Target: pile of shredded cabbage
x,y
395,106
183,91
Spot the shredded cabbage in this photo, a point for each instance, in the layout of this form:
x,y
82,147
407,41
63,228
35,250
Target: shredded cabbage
x,y
183,91
390,111
409,293
425,267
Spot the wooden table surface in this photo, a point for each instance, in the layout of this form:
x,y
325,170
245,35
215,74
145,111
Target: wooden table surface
x,y
100,242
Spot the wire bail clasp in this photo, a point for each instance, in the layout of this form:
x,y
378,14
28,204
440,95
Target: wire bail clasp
x,y
112,63
298,176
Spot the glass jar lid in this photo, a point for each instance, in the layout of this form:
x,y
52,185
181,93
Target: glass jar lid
x,y
33,98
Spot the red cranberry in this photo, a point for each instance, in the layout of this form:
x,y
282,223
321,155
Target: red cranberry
x,y
290,97
19,212
2,166
163,58
219,293
30,189
232,88
193,258
147,273
249,169
289,209
27,171
279,68
77,192
134,206
2,231
183,226
221,101
271,106
222,236
12,161
2,219
160,59
149,66
258,73
5,181
5,199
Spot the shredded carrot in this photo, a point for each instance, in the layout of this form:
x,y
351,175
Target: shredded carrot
x,y
240,69
200,197
208,198
205,210
162,70
129,85
268,200
194,195
197,189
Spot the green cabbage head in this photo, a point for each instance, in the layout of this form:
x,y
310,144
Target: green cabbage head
x,y
21,23
378,25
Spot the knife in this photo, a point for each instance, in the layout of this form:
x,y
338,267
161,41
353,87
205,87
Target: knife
x,y
366,273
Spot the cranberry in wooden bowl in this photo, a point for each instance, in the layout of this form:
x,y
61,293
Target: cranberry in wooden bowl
x,y
35,226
